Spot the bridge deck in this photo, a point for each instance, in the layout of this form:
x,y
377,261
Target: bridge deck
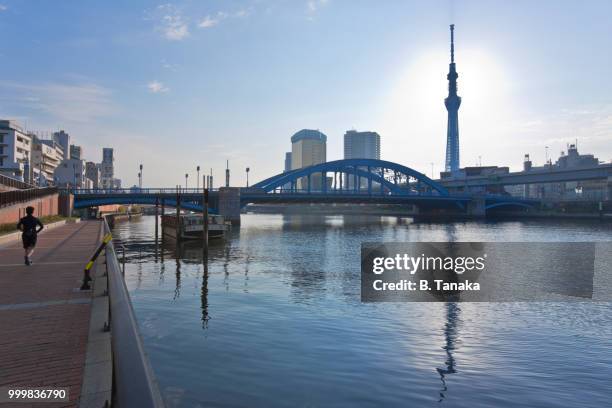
x,y
44,321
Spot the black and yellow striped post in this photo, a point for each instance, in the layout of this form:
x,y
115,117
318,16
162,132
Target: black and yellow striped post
x,y
87,275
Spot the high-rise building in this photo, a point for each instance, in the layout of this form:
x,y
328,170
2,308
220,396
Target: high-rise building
x,y
361,145
63,139
15,151
308,147
92,172
107,168
452,103
76,152
287,161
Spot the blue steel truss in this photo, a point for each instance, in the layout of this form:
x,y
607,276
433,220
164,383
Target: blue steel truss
x,y
354,175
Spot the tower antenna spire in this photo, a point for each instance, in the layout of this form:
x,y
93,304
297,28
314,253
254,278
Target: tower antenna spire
x,y
452,31
452,103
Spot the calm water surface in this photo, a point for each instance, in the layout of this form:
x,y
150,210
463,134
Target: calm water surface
x,y
275,320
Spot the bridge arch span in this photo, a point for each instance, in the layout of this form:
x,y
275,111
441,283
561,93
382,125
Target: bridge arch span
x,y
395,178
509,204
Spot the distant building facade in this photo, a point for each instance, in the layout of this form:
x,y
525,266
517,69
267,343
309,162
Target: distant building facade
x,y
308,147
46,157
63,139
287,161
361,145
585,190
107,169
15,151
76,152
92,172
72,173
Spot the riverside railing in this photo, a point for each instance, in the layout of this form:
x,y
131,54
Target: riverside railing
x,y
98,191
134,382
14,183
19,196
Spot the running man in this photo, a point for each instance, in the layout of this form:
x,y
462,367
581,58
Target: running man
x,y
30,227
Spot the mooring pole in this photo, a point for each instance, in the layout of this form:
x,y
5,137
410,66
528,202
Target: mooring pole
x,y
178,213
156,218
205,221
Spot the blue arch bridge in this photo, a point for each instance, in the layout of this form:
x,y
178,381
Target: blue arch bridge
x,y
355,181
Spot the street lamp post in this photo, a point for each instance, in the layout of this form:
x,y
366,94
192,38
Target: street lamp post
x,y
186,177
247,174
140,177
198,178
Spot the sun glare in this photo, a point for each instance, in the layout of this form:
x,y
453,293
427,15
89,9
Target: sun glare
x,y
415,116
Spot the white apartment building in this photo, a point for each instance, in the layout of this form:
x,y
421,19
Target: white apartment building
x,y
15,151
46,156
72,173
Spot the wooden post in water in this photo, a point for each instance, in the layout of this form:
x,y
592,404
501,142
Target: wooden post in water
x,y
205,221
178,213
156,218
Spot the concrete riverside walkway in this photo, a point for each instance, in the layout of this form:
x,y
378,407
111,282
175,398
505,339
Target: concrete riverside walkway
x,y
44,321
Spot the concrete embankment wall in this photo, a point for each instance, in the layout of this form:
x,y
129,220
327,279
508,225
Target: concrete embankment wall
x,y
43,206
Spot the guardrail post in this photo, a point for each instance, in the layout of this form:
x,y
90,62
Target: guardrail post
x,y
86,273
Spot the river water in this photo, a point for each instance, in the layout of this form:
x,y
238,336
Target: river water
x,y
275,320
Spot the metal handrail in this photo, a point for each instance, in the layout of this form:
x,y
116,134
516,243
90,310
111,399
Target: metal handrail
x,y
134,383
83,191
11,182
18,196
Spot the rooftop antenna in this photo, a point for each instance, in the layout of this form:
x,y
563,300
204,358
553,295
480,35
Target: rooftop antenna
x,y
452,30
227,174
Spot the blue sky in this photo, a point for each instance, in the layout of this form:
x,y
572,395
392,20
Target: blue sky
x,y
187,83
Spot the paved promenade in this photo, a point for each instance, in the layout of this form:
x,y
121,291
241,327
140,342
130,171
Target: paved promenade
x,y
44,321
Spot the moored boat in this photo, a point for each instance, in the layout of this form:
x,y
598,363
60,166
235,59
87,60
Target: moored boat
x,y
190,226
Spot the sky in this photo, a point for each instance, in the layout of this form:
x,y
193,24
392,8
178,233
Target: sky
x,y
175,85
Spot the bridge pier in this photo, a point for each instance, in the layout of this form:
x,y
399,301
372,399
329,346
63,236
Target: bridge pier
x,y
477,207
229,204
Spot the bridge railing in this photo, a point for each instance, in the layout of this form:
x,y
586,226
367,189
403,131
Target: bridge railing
x,y
85,191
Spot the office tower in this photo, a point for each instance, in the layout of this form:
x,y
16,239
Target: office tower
x,y
63,139
361,145
76,152
308,147
107,170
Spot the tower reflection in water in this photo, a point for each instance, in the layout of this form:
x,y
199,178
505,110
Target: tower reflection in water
x,y
451,336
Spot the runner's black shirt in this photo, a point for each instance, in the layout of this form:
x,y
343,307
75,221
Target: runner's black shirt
x,y
29,223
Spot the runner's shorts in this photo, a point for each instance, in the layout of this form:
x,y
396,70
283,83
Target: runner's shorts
x,y
28,240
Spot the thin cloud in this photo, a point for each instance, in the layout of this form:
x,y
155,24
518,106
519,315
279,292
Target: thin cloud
x,y
213,20
82,102
314,5
157,87
208,22
3,7
171,22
